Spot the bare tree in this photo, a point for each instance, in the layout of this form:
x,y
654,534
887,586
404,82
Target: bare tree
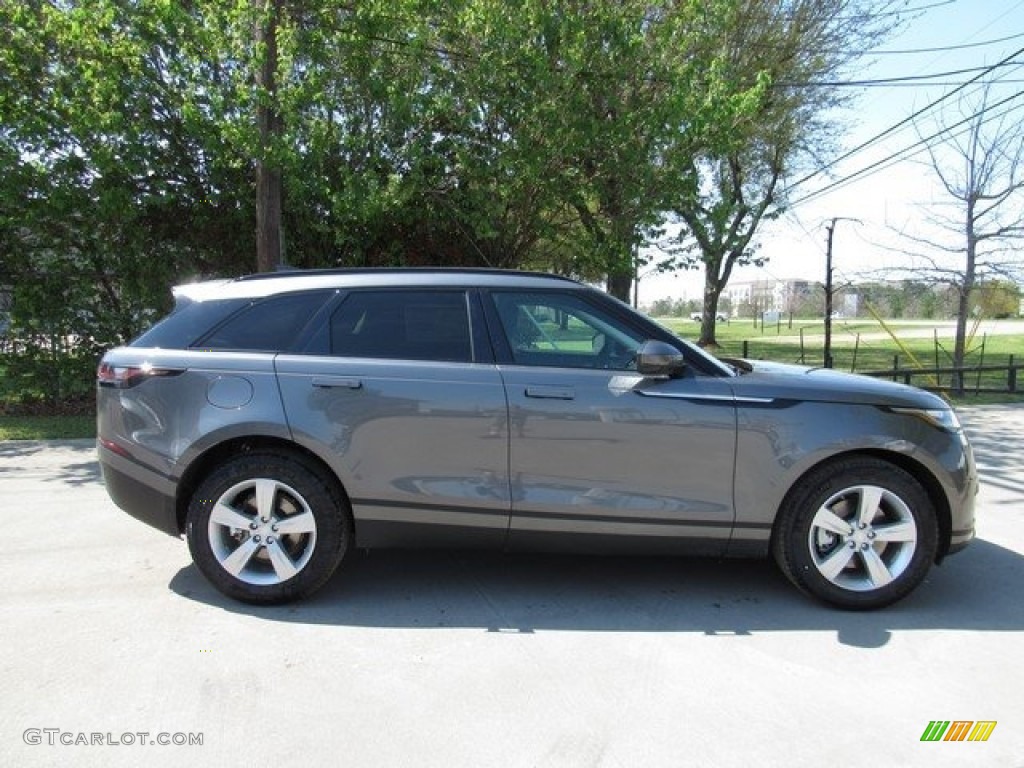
x,y
977,155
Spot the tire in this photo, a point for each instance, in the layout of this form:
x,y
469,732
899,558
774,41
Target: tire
x,y
267,528
859,533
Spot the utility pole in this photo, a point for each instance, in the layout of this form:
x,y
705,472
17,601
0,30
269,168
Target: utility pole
x,y
828,296
828,289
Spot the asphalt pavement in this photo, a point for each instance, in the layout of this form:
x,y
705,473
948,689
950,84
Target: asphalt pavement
x,y
111,644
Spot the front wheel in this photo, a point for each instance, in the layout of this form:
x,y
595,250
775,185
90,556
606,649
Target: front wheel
x,y
267,528
860,534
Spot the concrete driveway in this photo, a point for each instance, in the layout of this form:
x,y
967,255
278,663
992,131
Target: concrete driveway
x,y
112,643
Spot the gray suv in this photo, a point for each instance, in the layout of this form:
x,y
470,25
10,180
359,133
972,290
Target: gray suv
x,y
279,420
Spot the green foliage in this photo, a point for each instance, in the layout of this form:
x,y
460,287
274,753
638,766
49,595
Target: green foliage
x,y
528,133
996,298
732,185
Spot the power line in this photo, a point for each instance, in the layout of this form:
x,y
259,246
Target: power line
x,y
973,36
863,145
918,145
946,84
904,52
892,80
913,150
944,48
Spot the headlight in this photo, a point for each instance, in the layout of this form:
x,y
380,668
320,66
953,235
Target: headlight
x,y
943,418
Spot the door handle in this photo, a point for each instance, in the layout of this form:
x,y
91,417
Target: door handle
x,y
550,393
337,382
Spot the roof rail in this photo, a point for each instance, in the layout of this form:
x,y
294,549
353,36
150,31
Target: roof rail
x,y
297,272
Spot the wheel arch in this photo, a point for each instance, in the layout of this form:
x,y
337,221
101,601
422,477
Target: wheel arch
x,y
217,454
931,485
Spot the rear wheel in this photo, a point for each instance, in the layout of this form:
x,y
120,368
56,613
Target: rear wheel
x,y
267,528
860,533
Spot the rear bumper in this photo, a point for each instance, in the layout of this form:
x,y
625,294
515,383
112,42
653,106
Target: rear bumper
x,y
142,493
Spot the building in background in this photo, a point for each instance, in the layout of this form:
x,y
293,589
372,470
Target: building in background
x,y
788,297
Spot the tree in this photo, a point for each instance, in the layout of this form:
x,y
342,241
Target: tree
x,y
797,49
143,143
996,298
104,163
269,124
650,94
576,113
977,155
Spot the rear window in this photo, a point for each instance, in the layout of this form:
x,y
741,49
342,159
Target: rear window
x,y
187,323
270,325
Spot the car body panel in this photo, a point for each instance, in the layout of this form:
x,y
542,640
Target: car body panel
x,y
592,455
416,444
150,433
778,443
781,381
168,420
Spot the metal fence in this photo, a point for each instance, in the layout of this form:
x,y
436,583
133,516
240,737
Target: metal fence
x,y
980,379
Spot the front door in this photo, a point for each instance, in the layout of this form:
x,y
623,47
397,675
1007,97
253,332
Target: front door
x,y
601,457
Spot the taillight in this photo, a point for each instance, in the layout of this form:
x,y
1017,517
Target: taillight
x,y
125,376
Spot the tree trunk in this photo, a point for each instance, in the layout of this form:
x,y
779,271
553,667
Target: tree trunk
x,y
713,292
964,302
619,284
269,123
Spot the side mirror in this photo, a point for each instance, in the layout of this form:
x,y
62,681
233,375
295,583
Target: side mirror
x,y
656,358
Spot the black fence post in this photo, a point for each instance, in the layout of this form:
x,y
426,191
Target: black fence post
x,y
981,362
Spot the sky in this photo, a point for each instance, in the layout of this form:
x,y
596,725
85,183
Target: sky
x,y
879,211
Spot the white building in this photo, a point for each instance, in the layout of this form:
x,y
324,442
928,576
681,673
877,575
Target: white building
x,y
770,295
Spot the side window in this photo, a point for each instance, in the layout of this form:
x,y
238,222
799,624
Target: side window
x,y
188,322
403,325
554,329
269,325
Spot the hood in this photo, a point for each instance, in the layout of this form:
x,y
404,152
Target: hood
x,y
796,382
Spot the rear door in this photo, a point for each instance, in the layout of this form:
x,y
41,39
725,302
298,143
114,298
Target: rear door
x,y
601,457
405,402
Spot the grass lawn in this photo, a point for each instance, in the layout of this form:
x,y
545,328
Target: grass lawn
x,y
865,345
46,427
